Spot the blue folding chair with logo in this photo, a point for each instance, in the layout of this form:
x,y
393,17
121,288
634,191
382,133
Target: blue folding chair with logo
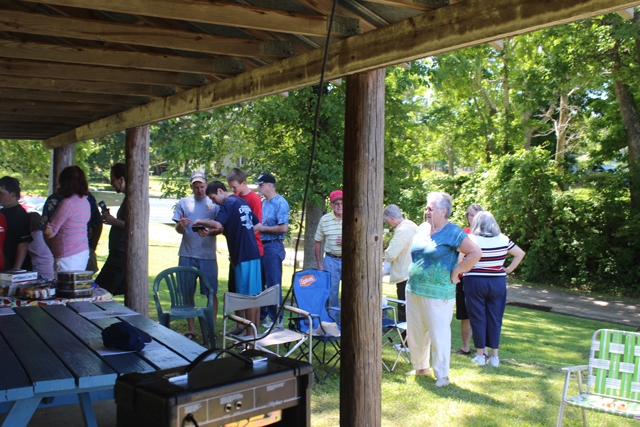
x,y
311,290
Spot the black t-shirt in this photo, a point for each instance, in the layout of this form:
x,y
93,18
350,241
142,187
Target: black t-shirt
x,y
18,231
116,235
238,220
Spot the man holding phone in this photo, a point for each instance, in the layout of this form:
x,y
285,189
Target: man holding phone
x,y
198,249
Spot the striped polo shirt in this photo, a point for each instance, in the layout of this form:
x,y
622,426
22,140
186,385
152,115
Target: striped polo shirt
x,y
69,227
494,252
328,231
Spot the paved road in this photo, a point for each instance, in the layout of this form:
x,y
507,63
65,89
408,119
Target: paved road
x,y
574,304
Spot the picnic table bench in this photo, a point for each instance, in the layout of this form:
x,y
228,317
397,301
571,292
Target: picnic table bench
x,y
50,353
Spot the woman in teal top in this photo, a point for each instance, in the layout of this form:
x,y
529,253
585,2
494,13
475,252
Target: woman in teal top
x,y
431,288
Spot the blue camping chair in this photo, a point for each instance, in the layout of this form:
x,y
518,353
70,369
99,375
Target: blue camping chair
x,y
180,284
311,290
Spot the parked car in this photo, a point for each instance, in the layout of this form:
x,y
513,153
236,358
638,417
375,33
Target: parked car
x,y
32,203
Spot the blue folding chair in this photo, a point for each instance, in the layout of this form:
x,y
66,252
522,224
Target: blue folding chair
x,y
311,291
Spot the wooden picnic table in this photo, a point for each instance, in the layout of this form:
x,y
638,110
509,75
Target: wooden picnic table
x,y
48,352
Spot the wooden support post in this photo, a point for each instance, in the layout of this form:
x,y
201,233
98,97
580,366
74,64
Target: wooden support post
x,y
361,361
60,159
137,220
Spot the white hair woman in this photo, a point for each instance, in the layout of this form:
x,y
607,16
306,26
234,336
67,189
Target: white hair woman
x,y
485,285
431,288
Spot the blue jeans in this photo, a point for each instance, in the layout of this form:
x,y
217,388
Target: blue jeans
x,y
272,274
486,299
208,266
334,267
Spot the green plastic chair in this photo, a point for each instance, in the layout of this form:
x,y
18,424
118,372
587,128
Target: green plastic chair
x,y
180,284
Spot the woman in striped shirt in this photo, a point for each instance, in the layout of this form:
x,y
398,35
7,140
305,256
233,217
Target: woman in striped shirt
x,y
485,285
66,233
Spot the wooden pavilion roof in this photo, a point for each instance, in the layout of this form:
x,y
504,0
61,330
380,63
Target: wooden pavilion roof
x,y
72,70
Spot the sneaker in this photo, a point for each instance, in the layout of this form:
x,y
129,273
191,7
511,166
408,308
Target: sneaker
x,y
441,382
480,359
235,330
267,325
494,361
419,372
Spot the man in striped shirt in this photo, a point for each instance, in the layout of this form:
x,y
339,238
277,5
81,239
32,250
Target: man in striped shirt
x,y
329,232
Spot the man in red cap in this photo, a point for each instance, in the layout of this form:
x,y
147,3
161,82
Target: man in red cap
x,y
329,232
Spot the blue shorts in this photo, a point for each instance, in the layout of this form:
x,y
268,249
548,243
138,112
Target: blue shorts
x,y
249,277
208,266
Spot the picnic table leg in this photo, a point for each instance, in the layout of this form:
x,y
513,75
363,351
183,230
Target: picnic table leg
x,y
21,412
89,417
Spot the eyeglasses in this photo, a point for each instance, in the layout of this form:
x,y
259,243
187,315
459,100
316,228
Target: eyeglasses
x,y
428,209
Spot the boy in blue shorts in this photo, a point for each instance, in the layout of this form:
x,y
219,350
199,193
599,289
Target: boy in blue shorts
x,y
240,225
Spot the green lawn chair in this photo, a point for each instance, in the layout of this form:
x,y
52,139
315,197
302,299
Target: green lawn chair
x,y
613,379
180,284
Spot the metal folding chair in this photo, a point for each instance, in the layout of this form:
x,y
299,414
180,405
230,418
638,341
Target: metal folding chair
x,y
272,337
394,330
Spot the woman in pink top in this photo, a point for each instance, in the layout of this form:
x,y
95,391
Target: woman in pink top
x,y
66,233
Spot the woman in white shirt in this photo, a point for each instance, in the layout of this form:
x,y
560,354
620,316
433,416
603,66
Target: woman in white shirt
x,y
485,285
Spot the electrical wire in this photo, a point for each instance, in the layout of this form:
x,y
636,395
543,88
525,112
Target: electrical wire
x,y
311,161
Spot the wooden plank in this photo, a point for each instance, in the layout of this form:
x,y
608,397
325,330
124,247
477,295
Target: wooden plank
x,y
219,13
86,366
412,4
40,127
137,220
91,335
14,381
81,86
28,111
626,14
361,370
160,359
53,70
324,7
50,95
42,366
461,25
178,343
114,58
35,119
60,26
75,106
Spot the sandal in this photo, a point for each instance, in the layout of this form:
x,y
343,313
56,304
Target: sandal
x,y
461,351
190,335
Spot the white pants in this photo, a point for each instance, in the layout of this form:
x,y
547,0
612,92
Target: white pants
x,y
429,321
77,262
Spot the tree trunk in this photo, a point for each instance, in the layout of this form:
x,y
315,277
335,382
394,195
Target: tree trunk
x,y
632,130
311,220
505,90
528,134
562,126
61,158
450,156
361,361
137,220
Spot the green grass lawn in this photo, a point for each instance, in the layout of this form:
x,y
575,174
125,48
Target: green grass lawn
x,y
524,391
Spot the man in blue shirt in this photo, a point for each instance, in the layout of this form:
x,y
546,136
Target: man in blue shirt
x,y
275,223
240,225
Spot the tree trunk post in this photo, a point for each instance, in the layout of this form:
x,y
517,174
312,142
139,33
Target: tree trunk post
x,y
137,220
361,361
61,158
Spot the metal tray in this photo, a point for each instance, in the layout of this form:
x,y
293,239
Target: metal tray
x,y
73,276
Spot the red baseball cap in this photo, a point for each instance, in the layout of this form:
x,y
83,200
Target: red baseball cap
x,y
335,195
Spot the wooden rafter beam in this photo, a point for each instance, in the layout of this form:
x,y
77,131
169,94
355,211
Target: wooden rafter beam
x,y
324,7
435,32
55,70
36,83
218,13
77,121
422,5
62,106
50,95
117,58
38,112
60,26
